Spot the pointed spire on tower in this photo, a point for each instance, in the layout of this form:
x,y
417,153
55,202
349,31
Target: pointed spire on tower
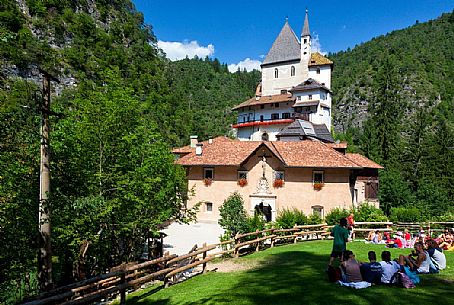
x,y
306,31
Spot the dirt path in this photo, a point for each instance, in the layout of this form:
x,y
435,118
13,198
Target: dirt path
x,y
230,265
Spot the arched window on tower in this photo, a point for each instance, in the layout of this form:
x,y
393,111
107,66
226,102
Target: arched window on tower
x,y
276,73
292,71
265,136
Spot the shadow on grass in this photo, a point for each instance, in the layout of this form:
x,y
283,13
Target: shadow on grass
x,y
298,277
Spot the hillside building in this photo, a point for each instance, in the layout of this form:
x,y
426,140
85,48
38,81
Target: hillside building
x,y
284,156
296,84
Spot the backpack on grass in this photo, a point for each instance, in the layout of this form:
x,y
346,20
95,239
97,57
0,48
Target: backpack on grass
x,y
402,280
334,274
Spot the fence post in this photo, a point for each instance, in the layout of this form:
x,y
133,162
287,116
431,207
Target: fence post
x,y
122,283
204,255
166,279
236,250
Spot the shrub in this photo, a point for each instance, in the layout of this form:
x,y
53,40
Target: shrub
x,y
233,215
406,214
288,218
256,222
368,212
332,218
314,219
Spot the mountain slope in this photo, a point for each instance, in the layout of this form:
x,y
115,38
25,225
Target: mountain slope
x,y
423,57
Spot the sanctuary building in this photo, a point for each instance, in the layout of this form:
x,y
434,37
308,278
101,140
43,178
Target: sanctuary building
x,y
284,156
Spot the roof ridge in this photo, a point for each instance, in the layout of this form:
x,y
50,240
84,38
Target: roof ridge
x,y
280,156
340,154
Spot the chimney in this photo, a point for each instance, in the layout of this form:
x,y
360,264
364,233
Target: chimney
x,y
210,141
198,149
194,141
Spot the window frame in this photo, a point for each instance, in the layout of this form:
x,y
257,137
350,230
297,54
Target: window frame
x,y
275,116
317,172
319,210
240,173
292,71
310,97
286,115
208,203
276,73
278,175
207,169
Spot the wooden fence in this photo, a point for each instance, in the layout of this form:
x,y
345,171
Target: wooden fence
x,y
169,268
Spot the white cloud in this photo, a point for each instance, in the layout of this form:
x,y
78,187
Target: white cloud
x,y
316,46
176,50
248,64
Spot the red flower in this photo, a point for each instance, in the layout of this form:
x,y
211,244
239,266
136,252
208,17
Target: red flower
x,y
207,181
242,182
318,186
278,183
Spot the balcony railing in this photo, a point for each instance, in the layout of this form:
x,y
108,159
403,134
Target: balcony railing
x,y
261,122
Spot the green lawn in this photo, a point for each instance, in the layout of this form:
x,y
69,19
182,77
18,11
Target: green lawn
x,y
295,274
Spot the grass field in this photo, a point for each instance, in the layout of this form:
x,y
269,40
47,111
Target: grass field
x,y
295,274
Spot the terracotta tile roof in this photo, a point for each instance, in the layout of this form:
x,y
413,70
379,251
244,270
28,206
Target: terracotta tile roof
x,y
267,99
362,161
306,153
221,153
318,59
312,154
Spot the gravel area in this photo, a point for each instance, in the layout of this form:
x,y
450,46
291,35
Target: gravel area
x,y
182,237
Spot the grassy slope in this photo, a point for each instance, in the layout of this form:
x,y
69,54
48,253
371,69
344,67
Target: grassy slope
x,y
294,274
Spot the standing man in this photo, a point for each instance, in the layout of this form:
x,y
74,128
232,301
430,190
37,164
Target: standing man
x,y
350,225
340,234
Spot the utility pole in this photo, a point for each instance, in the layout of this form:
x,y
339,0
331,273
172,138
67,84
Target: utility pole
x,y
45,248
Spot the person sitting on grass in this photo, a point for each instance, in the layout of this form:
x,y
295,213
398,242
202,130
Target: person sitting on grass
x,y
418,260
389,267
436,255
340,234
446,240
351,268
372,271
370,236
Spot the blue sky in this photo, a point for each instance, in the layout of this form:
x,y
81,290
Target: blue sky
x,y
233,30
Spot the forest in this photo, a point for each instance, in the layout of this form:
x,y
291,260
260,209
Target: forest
x,y
120,106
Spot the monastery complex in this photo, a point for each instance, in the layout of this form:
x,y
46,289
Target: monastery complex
x,y
284,156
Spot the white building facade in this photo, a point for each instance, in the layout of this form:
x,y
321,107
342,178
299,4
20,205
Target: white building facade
x,y
295,85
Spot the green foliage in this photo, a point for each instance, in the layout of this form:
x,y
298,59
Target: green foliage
x,y
314,219
394,191
233,217
368,212
256,222
333,216
409,127
287,218
406,214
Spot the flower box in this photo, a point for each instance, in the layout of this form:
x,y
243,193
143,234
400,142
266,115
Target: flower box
x,y
318,186
278,183
207,181
242,182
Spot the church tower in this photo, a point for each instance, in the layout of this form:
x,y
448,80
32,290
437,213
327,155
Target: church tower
x,y
305,48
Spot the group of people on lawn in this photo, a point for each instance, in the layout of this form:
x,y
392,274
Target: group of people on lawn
x,y
427,257
405,240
